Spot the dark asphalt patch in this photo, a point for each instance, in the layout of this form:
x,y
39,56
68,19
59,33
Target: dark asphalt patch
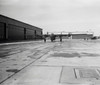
x,y
13,70
71,55
90,54
67,55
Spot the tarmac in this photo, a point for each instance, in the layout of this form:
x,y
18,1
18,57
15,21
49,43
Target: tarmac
x,y
71,62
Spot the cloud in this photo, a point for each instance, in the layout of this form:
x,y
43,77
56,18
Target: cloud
x,y
52,10
51,14
8,2
88,2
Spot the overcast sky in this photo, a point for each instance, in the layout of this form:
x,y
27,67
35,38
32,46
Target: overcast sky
x,y
55,15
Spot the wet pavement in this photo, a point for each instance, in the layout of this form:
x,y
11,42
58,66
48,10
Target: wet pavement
x,y
72,62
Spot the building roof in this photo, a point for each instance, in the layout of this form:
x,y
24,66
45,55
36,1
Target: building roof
x,y
8,19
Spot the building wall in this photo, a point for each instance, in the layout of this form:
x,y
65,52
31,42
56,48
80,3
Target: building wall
x,y
65,37
30,34
15,32
1,31
90,36
81,36
11,29
75,36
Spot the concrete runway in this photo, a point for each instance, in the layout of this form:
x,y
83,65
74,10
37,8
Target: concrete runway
x,y
72,62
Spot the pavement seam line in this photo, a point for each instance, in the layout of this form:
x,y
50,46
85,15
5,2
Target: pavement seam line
x,y
75,73
61,75
25,67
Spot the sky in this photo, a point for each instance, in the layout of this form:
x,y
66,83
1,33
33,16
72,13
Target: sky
x,y
55,15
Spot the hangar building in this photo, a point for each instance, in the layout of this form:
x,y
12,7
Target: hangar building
x,y
72,35
11,30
